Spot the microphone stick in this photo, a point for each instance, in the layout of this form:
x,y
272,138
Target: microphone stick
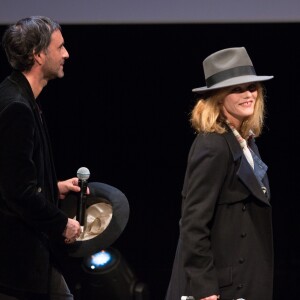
x,y
83,175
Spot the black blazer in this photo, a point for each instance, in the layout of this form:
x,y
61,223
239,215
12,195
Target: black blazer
x,y
29,216
225,245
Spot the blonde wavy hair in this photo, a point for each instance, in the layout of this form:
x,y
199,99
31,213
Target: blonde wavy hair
x,y
207,115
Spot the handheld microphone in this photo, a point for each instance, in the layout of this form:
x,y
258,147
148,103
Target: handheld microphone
x,y
83,175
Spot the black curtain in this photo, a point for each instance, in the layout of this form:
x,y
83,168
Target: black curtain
x,y
122,111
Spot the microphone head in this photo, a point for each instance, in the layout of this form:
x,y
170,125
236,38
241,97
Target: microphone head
x,y
83,173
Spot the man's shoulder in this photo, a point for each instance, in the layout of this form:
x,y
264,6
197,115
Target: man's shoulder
x,y
11,92
12,99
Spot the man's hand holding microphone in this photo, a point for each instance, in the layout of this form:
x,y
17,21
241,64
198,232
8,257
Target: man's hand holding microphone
x,y
78,185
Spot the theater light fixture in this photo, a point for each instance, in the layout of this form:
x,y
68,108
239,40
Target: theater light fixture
x,y
106,275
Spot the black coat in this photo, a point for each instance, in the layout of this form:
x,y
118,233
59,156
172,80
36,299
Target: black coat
x,y
29,216
225,245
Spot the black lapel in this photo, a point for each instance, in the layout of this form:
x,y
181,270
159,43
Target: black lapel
x,y
48,157
254,148
245,172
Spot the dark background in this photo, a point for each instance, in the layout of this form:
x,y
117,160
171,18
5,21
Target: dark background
x,y
122,110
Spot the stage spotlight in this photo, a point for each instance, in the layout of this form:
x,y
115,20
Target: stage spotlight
x,y
106,275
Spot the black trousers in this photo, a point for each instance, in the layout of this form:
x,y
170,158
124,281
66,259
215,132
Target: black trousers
x,y
58,290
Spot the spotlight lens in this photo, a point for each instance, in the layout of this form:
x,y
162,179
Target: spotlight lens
x,y
99,260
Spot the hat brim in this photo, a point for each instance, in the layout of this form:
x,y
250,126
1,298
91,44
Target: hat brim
x,y
99,192
231,82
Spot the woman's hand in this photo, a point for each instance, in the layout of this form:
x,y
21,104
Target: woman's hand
x,y
213,297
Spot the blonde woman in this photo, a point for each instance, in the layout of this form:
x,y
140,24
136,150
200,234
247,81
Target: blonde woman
x,y
225,248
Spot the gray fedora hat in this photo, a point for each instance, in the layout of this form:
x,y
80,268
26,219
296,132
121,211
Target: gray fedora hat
x,y
228,67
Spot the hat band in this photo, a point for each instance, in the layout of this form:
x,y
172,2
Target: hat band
x,y
230,73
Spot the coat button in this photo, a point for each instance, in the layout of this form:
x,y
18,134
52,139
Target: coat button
x,y
244,208
241,260
39,189
240,286
244,234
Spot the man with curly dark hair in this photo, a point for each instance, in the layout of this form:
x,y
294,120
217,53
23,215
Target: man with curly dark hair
x,y
31,223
